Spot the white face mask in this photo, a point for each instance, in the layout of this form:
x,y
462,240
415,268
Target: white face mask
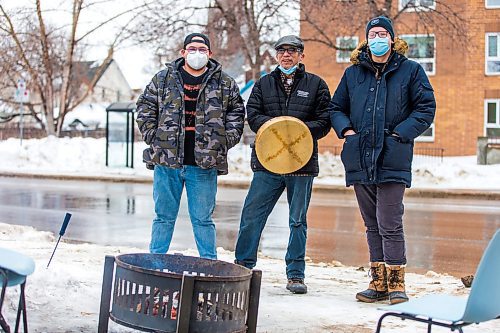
x,y
197,60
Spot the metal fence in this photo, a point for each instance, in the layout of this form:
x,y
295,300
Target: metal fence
x,y
38,133
427,153
430,153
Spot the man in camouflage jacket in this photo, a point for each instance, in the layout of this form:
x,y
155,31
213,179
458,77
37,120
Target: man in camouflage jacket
x,y
190,115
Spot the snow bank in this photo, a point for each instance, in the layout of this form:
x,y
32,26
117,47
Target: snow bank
x,y
66,296
86,156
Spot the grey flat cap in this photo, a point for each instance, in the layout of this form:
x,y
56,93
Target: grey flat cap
x,y
290,40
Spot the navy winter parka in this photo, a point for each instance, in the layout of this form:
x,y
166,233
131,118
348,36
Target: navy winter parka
x,y
308,101
399,102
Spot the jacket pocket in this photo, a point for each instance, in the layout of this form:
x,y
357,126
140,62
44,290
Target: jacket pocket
x,y
164,139
351,155
209,158
397,155
151,156
211,147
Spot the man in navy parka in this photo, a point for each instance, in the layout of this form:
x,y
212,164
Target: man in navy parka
x,y
383,102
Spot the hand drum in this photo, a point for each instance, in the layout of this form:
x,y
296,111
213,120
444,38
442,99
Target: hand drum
x,y
283,145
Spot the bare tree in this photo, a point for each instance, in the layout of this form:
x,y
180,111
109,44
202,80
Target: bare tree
x,y
233,25
163,25
47,55
326,19
252,26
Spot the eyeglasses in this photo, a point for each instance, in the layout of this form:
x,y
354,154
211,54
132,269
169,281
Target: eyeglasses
x,y
202,50
290,50
381,34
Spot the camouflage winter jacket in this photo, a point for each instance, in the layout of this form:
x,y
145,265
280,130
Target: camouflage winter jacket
x,y
219,118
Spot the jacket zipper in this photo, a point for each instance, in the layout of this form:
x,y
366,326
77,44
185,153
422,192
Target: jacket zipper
x,y
181,90
372,171
378,77
282,86
294,86
203,86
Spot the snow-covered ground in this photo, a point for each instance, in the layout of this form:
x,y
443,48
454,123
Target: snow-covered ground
x,y
86,156
66,296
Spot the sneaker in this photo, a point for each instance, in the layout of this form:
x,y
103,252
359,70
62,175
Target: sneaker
x,y
240,263
296,286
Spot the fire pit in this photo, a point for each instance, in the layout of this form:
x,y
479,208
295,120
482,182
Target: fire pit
x,y
176,293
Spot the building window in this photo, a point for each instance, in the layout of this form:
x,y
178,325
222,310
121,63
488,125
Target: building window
x,y
493,53
492,117
427,136
492,3
422,49
348,43
416,5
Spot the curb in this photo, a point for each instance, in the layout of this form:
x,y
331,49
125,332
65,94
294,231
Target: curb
x,y
99,178
416,192
243,184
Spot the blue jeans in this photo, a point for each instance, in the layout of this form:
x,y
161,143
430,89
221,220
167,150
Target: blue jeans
x,y
201,188
264,192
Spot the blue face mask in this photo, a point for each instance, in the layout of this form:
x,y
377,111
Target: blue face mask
x,y
289,70
378,46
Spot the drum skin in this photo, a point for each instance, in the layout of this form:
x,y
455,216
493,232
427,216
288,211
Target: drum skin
x,y
283,145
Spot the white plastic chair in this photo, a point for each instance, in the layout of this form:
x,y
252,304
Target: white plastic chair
x,y
14,268
454,312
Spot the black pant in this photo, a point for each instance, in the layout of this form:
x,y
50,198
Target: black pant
x,y
382,210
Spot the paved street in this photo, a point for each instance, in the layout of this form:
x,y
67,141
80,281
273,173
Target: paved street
x,y
444,235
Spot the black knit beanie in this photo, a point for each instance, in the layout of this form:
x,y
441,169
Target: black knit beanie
x,y
380,21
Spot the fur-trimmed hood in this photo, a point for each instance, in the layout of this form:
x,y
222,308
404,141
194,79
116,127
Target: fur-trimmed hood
x,y
400,46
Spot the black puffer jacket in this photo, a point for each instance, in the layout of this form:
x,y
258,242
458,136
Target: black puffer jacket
x,y
308,101
400,102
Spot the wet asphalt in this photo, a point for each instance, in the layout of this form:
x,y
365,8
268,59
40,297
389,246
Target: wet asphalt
x,y
443,235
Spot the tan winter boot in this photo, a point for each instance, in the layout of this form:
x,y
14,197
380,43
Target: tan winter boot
x,y
396,284
377,289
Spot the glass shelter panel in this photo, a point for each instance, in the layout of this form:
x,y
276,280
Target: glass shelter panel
x,y
120,128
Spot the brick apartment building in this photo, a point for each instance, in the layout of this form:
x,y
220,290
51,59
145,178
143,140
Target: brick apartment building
x,y
466,79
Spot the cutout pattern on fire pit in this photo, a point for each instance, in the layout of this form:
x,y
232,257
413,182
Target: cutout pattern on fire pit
x,y
148,294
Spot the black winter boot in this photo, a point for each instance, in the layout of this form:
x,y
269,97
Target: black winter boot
x,y
396,284
377,289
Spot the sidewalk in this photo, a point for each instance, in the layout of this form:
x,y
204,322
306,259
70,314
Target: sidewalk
x,y
245,183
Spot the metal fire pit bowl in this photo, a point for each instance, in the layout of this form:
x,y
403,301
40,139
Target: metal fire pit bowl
x,y
176,293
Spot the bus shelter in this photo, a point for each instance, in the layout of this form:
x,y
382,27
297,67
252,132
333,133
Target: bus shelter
x,y
120,132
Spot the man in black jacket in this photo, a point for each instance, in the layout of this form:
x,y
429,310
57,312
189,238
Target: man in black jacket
x,y
383,102
288,91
